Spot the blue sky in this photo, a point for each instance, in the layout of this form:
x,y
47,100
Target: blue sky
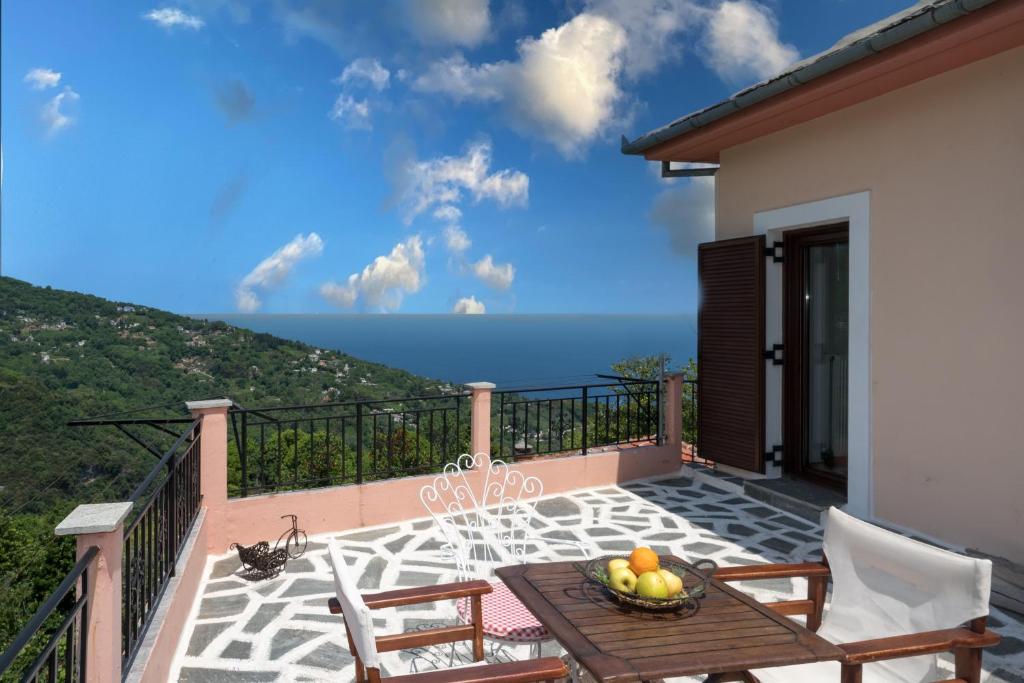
x,y
322,156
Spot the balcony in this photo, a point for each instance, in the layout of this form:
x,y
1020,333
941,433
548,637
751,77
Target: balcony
x,y
161,596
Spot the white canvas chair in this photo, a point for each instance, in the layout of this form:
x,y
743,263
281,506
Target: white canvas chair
x,y
896,604
366,647
486,517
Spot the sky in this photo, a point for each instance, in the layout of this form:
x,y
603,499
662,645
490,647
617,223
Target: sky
x,y
315,156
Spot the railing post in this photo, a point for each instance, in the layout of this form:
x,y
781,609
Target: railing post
x,y
359,443
213,466
101,525
243,454
480,424
584,426
673,411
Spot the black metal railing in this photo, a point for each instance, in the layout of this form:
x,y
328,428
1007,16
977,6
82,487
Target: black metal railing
x,y
545,420
155,536
691,419
63,656
312,446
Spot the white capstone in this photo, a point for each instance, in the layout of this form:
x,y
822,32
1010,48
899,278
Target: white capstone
x,y
481,385
211,403
95,518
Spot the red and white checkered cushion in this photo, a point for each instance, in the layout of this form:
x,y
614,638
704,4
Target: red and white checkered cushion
x,y
505,617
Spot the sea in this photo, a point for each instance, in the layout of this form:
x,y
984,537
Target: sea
x,y
513,351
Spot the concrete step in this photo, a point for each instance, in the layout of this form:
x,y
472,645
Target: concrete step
x,y
795,496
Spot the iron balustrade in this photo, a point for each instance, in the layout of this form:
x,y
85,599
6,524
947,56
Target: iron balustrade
x,y
327,444
546,420
155,536
691,420
63,656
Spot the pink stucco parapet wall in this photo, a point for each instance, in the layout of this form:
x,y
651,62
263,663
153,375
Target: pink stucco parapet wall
x,y
339,508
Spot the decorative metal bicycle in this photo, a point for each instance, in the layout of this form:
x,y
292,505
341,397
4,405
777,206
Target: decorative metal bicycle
x,y
294,539
260,562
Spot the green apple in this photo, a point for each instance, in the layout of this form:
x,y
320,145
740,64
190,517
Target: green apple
x,y
675,584
617,563
622,579
651,585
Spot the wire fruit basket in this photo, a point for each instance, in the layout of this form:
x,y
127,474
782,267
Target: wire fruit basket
x,y
695,577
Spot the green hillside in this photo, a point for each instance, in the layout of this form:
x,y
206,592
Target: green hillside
x,y
65,355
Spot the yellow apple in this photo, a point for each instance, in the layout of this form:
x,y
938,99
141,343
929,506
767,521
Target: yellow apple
x,y
617,563
675,584
651,585
622,579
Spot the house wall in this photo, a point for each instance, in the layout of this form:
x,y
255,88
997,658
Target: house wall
x,y
943,161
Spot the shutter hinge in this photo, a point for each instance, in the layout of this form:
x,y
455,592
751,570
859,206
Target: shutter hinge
x,y
774,456
775,252
775,354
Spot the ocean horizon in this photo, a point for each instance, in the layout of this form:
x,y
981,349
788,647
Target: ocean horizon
x,y
511,350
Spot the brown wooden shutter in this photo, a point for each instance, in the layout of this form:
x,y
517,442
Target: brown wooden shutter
x,y
730,352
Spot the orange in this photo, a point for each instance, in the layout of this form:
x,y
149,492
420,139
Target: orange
x,y
643,560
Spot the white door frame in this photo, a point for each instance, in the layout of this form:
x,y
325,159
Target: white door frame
x,y
855,209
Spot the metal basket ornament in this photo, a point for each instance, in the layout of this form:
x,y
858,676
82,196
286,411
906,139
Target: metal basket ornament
x,y
696,578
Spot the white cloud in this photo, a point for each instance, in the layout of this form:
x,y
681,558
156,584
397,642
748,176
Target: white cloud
x,y
449,22
272,271
441,181
366,70
456,239
41,79
468,305
54,118
342,296
495,275
743,42
351,113
652,29
383,283
563,87
457,78
687,213
172,17
448,213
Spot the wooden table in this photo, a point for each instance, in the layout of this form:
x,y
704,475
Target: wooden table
x,y
731,631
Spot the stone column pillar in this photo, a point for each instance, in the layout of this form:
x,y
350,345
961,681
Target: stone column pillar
x,y
480,431
101,525
213,466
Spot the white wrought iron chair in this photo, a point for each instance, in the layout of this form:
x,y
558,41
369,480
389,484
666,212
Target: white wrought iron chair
x,y
366,647
896,604
490,525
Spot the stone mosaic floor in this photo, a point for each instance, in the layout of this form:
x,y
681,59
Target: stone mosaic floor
x,y
280,630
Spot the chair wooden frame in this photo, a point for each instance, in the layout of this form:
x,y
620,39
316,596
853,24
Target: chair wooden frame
x,y
966,643
529,671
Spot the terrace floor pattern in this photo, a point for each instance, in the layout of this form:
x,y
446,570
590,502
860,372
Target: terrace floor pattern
x,y
280,630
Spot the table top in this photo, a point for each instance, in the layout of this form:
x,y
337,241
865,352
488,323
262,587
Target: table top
x,y
616,643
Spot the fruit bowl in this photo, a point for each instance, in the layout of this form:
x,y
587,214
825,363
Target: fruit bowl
x,y
695,578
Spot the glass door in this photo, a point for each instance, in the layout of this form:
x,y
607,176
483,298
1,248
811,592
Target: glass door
x,y
816,351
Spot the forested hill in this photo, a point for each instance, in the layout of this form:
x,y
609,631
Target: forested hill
x,y
65,355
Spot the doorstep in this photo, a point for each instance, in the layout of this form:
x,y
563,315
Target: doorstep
x,y
796,496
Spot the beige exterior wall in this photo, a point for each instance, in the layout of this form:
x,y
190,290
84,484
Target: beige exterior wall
x,y
943,160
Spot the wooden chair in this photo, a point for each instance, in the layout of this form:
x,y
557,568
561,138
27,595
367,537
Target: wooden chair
x,y
896,603
366,647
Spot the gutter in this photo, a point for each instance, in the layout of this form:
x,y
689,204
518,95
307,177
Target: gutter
x,y
911,27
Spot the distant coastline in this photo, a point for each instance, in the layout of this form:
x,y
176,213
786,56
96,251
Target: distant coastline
x,y
511,350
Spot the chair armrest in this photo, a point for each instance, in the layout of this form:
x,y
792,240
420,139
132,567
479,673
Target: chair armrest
x,y
421,594
772,571
418,595
529,671
929,642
